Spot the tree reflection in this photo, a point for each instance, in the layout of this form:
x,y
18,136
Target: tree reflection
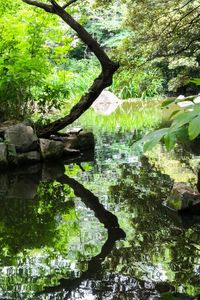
x,y
107,219
37,227
159,246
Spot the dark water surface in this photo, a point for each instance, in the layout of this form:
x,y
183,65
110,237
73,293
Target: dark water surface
x,y
96,230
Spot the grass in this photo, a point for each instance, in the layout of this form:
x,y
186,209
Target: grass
x,y
135,115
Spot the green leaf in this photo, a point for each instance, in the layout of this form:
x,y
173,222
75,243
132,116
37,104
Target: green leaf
x,y
170,140
194,128
167,296
182,119
195,81
174,113
154,138
167,102
196,107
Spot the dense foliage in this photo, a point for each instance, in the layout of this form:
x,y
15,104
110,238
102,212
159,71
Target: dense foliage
x,y
166,33
32,49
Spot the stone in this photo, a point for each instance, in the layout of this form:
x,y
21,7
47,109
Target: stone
x,y
51,149
197,100
30,169
70,152
4,183
106,103
180,97
75,130
185,104
29,157
56,138
5,125
22,136
183,196
83,141
12,154
3,155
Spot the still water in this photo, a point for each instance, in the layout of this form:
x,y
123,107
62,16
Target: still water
x,y
97,229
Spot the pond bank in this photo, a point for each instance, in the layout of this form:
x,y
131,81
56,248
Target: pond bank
x,y
19,145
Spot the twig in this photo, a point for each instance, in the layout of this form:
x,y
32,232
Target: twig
x,y
69,3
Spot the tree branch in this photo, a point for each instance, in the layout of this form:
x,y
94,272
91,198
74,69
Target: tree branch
x,y
181,50
183,17
69,3
92,44
101,82
46,7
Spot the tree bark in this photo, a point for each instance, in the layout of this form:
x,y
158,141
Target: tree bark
x,y
101,82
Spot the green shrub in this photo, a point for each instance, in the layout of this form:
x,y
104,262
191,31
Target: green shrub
x,y
141,84
27,60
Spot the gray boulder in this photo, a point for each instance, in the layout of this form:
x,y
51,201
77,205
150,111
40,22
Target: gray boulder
x,y
22,137
29,157
52,170
51,149
83,141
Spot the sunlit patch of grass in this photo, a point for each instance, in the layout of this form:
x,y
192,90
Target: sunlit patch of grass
x,y
130,116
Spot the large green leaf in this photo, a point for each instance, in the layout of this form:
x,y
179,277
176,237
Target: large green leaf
x,y
182,119
170,140
194,128
174,113
196,108
151,139
167,296
154,138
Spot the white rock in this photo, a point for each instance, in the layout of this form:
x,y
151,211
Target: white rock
x,y
106,103
180,97
197,100
185,104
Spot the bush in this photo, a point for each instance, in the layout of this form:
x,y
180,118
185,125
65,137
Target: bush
x,y
141,84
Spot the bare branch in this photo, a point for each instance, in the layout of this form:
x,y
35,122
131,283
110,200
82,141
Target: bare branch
x,y
184,5
69,3
173,53
46,7
183,17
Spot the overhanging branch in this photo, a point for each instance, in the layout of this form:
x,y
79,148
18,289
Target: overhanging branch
x,y
46,7
101,82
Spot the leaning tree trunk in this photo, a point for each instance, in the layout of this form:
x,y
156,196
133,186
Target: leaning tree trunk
x,y
102,81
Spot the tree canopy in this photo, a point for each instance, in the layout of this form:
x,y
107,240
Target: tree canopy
x,y
166,32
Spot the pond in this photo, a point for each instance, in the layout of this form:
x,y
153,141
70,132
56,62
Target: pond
x,y
98,229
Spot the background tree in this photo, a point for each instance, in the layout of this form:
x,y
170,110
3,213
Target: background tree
x,y
167,34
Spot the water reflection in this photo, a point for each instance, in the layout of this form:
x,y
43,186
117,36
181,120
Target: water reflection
x,y
162,247
62,235
39,231
114,233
